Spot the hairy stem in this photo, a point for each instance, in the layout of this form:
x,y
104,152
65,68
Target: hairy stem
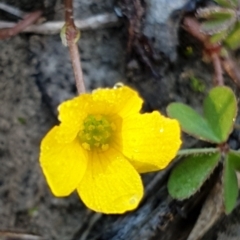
x,y
192,26
218,75
231,69
72,34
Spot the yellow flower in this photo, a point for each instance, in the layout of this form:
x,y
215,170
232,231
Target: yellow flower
x,y
101,146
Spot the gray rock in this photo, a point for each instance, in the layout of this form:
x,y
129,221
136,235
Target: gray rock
x,y
160,26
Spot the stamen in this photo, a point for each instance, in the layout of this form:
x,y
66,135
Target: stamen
x,y
96,132
86,146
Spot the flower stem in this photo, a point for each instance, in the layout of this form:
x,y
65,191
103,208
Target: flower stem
x,y
72,35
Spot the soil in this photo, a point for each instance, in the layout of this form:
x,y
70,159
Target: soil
x,y
36,75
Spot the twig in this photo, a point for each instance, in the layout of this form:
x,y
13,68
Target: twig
x,y
191,25
54,27
17,28
19,236
12,10
72,34
91,224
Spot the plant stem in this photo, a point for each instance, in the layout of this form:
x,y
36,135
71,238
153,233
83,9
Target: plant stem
x,y
231,69
192,26
12,10
72,34
218,76
195,151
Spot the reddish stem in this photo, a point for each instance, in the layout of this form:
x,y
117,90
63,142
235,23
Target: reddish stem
x,y
232,70
218,75
71,36
20,26
194,28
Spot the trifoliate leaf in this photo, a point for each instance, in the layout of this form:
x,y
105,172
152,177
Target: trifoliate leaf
x,y
220,110
189,175
230,184
191,122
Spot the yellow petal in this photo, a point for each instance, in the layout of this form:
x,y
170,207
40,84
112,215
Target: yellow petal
x,y
110,184
150,141
114,103
63,164
74,110
121,101
71,115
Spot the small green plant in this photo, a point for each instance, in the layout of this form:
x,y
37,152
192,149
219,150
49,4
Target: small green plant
x,y
196,84
218,28
222,23
214,126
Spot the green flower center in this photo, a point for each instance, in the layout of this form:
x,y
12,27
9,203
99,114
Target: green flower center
x,y
96,133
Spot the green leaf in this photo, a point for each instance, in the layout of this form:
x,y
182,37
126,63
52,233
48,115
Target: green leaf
x,y
233,39
220,110
235,159
218,19
191,122
230,184
218,37
226,3
189,175
235,3
196,84
215,12
217,25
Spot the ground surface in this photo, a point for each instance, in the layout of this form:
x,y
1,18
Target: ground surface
x,y
35,76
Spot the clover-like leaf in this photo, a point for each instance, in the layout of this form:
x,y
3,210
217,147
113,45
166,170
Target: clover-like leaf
x,y
230,184
191,122
189,175
233,39
220,109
